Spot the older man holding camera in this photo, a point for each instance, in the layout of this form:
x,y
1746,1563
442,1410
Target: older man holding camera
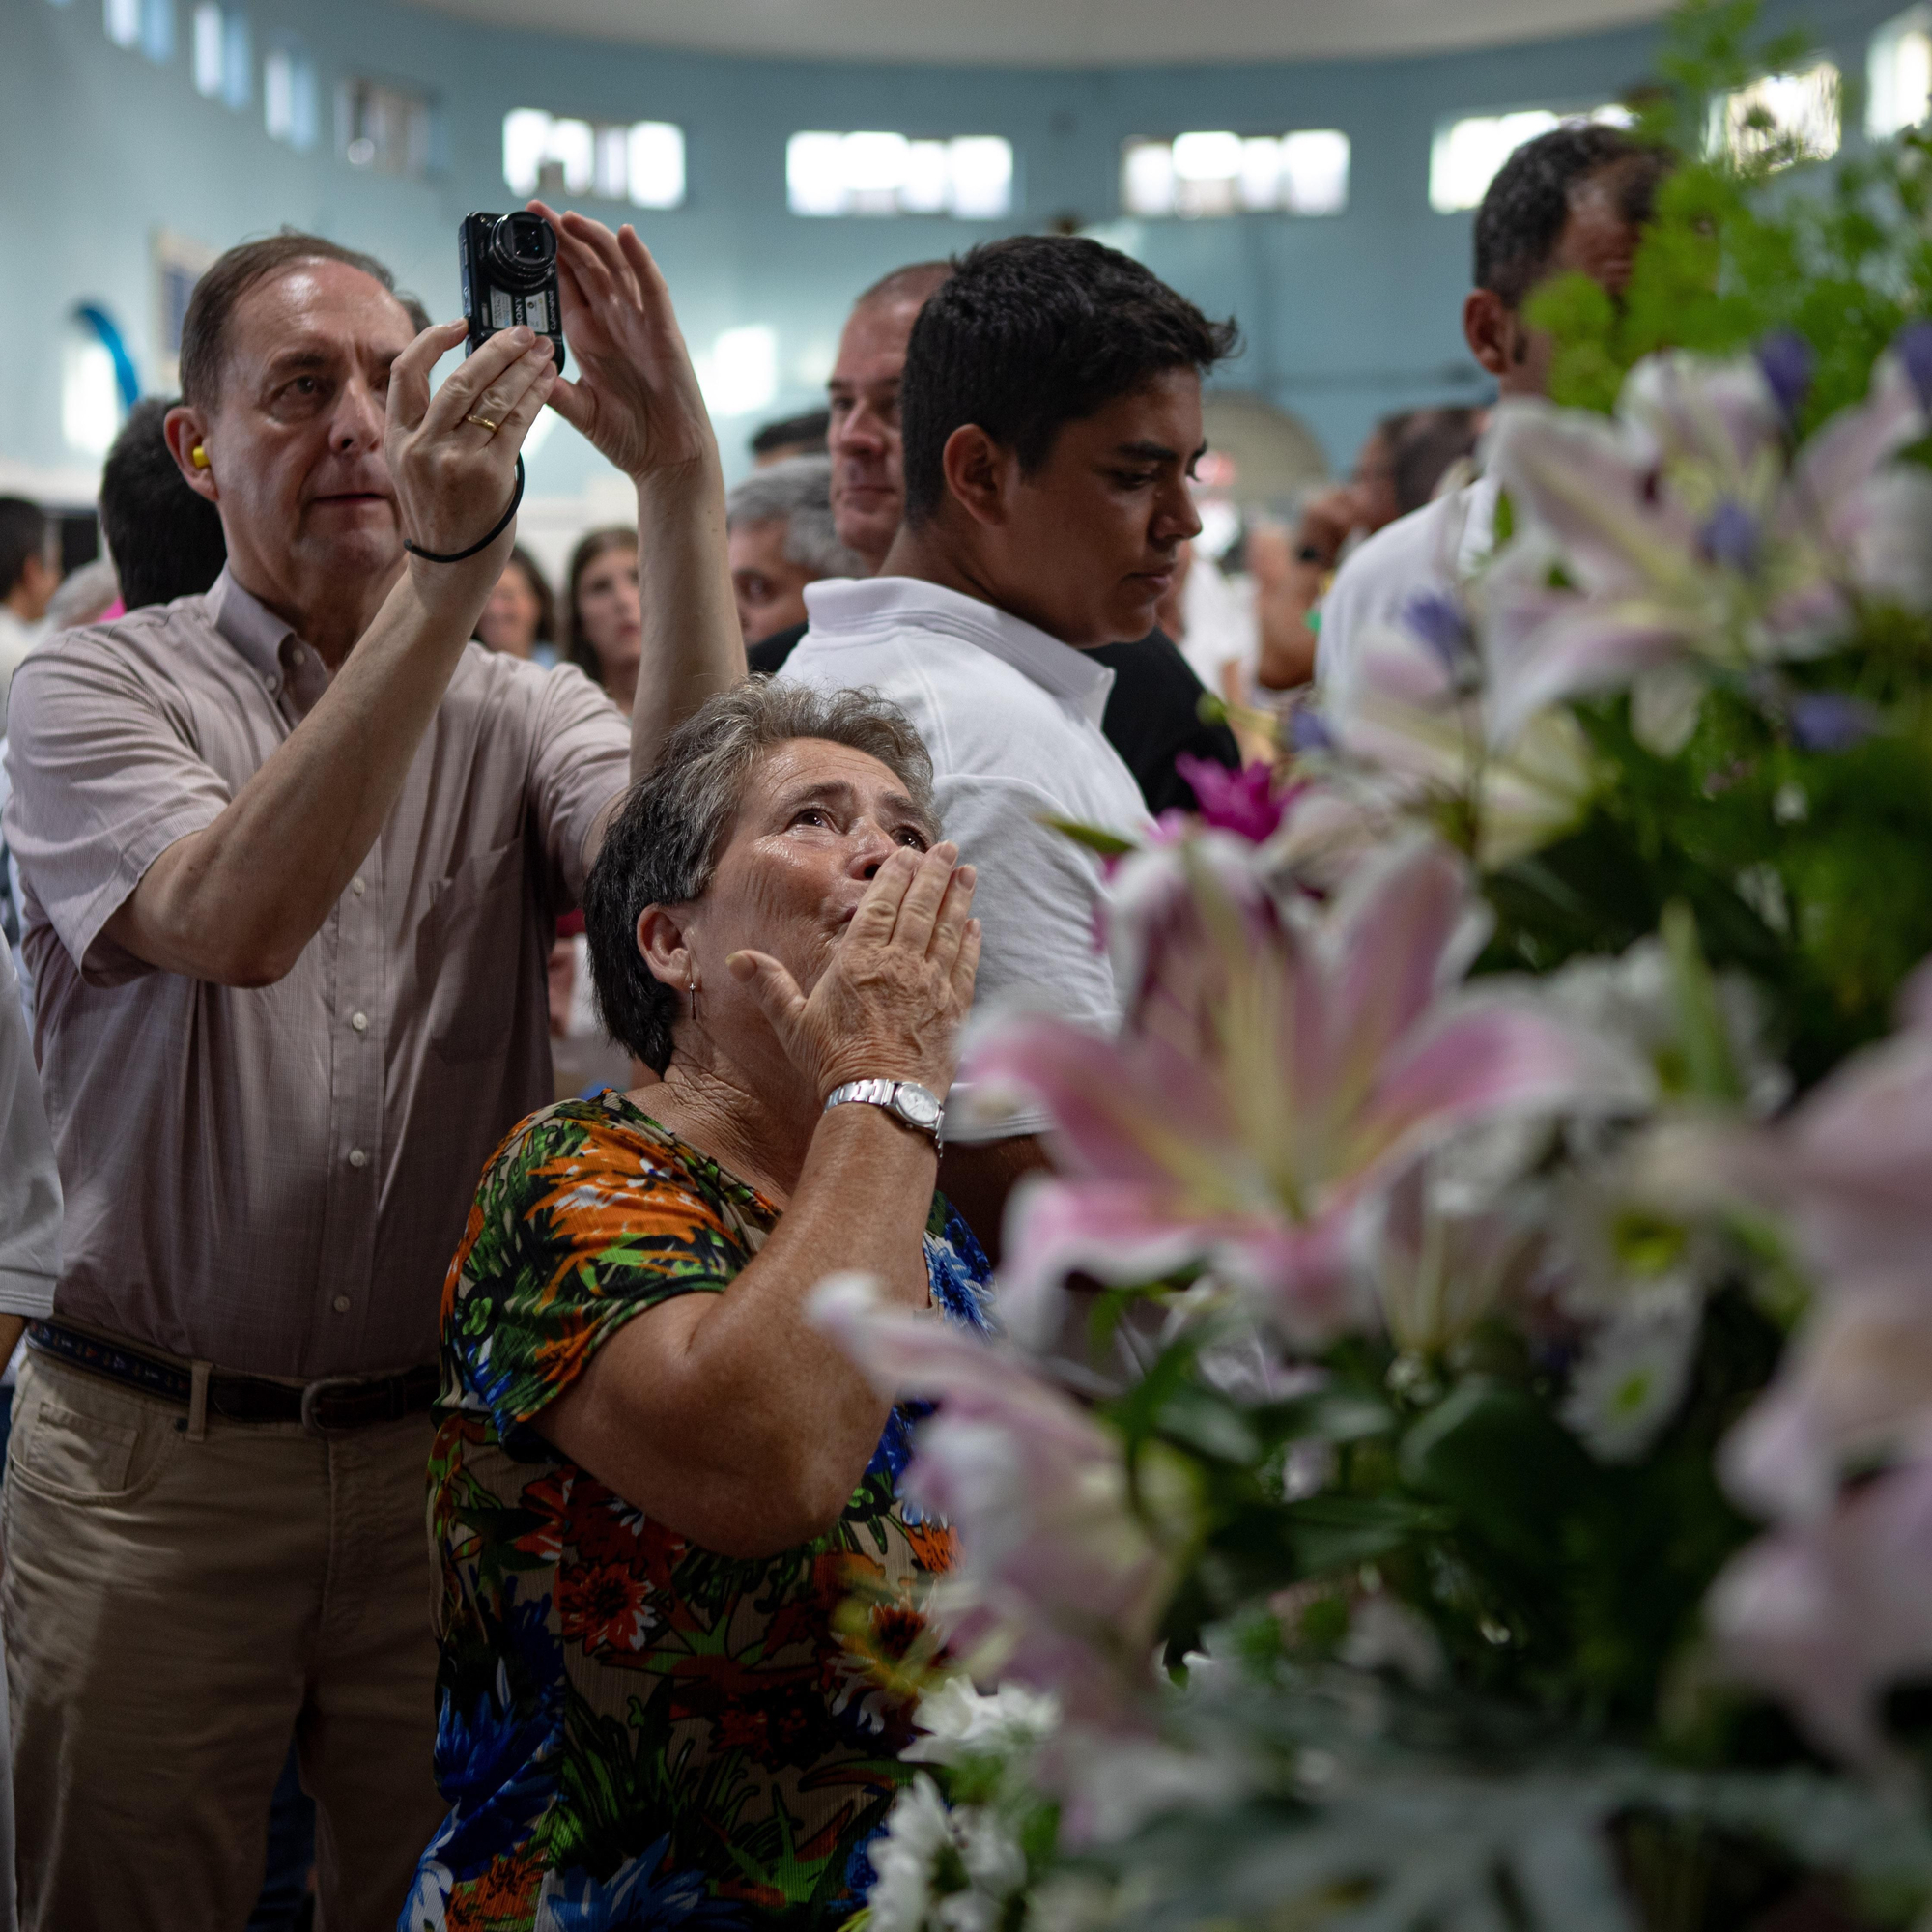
x,y
294,852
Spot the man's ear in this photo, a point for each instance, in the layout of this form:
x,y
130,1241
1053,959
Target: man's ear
x,y
664,948
186,433
1494,331
978,473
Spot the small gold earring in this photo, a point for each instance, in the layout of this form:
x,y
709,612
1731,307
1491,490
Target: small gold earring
x,y
198,456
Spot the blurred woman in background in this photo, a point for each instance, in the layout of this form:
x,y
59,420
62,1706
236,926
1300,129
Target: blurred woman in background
x,y
604,634
520,619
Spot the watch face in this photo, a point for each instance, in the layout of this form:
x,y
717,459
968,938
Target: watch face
x,y
919,1107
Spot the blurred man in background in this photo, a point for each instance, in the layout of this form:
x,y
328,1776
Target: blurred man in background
x,y
1396,472
1051,420
1574,201
1154,708
782,538
29,575
791,435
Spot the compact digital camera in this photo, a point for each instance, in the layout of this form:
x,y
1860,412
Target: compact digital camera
x,y
509,276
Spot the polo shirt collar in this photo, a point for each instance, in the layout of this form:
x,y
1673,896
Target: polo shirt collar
x,y
266,643
894,603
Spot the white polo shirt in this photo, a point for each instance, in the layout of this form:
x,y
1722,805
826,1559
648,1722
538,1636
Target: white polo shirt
x,y
1432,549
1012,720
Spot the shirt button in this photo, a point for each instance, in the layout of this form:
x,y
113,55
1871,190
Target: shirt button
x,y
357,886
359,1021
341,1304
357,1158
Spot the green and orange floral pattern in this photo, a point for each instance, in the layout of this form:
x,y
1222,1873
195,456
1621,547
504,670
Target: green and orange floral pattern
x,y
634,1730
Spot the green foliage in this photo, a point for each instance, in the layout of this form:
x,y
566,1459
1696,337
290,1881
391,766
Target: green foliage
x,y
1841,255
1805,869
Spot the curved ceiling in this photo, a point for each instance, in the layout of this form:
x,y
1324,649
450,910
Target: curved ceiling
x,y
1060,32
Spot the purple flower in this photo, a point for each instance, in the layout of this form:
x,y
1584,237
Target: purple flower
x,y
1828,721
1241,802
1786,359
1270,1083
1731,536
1440,623
1308,731
1915,350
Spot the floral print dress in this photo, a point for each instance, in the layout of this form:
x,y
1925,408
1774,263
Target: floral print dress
x,y
633,1731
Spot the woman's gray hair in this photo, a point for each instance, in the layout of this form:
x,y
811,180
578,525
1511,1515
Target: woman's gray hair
x,y
663,844
797,492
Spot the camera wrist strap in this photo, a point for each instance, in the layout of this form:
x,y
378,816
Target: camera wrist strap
x,y
502,524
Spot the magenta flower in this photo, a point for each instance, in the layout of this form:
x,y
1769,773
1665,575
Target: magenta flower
x,y
1241,802
1274,1079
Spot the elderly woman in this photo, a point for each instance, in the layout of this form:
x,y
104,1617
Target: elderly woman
x,y
675,1571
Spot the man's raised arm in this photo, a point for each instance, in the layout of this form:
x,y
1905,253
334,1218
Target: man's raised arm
x,y
636,399
236,901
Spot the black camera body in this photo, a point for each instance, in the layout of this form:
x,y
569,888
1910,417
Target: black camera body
x,y
509,276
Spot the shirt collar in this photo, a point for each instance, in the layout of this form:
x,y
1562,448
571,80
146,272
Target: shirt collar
x,y
850,604
266,643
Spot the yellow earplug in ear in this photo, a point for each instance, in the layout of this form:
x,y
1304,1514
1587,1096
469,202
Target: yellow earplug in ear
x,y
198,456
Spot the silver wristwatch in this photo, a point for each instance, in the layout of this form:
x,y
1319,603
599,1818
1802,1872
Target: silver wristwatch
x,y
919,1107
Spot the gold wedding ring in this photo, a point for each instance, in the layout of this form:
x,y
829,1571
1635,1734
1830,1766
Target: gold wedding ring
x,y
483,422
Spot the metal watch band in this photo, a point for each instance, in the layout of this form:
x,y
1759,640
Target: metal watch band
x,y
906,1100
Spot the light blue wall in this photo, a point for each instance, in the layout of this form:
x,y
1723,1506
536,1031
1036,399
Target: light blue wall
x,y
1345,318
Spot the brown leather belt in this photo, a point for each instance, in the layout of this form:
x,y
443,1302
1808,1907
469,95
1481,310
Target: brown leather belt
x,y
327,1407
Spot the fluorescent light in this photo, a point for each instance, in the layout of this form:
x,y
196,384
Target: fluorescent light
x,y
1793,116
1315,171
741,373
878,172
1209,172
655,164
1898,87
90,397
982,177
208,61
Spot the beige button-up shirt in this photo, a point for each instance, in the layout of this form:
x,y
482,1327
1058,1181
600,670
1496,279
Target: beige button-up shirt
x,y
275,1179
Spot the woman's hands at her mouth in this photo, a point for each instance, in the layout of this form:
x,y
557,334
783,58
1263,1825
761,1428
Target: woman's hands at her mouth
x,y
896,987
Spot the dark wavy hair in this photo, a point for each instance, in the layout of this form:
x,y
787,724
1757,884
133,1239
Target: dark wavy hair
x,y
1520,225
1030,335
663,844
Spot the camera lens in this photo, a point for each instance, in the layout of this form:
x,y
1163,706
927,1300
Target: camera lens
x,y
522,250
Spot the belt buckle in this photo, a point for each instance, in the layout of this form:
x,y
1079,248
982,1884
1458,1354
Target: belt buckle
x,y
325,1385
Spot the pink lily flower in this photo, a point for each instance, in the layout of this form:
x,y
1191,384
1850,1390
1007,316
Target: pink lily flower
x,y
1271,1082
1837,1600
1678,536
1825,1614
1061,1579
1850,1171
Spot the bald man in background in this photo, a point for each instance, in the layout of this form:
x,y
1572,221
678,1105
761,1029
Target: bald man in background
x,y
1152,713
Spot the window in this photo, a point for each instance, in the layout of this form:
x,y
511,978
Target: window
x,y
556,155
969,177
288,98
1780,119
1467,154
147,24
1899,75
1306,173
221,54
382,128
741,373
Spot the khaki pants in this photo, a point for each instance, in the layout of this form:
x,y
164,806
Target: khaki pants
x,y
173,1611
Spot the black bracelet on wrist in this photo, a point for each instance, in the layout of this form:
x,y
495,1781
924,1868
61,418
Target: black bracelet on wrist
x,y
502,524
